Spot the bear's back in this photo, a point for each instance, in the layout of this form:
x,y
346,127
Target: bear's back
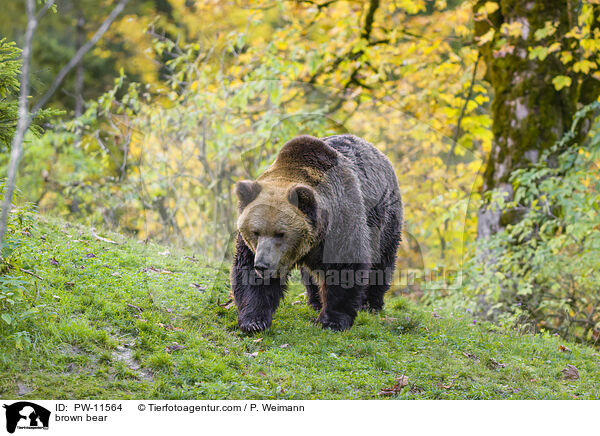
x,y
379,184
365,157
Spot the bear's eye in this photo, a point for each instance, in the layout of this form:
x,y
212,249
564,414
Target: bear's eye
x,y
278,235
256,234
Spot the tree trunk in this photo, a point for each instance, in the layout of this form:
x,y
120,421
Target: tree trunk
x,y
79,38
529,115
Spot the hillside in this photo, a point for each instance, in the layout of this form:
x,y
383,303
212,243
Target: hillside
x,y
133,320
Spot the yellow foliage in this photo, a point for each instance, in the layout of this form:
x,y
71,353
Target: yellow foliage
x,y
403,87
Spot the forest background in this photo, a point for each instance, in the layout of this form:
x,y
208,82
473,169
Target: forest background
x,y
486,109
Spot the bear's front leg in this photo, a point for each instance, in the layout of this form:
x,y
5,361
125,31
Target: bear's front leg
x,y
255,297
342,297
312,290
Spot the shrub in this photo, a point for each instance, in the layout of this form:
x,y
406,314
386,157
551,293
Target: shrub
x,y
17,301
545,270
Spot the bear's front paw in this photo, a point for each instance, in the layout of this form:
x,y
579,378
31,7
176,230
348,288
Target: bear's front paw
x,y
335,321
255,325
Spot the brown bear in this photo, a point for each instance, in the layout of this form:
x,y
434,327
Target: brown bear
x,y
329,206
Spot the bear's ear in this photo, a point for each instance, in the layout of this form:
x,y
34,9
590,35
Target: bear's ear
x,y
303,197
247,191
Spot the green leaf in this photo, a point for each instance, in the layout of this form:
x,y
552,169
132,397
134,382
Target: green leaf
x,y
583,66
7,318
548,30
538,52
561,82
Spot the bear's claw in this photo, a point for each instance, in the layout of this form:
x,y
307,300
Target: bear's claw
x,y
253,326
340,323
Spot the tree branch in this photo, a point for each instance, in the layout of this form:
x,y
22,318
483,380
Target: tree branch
x,y
463,110
79,55
44,9
25,116
23,121
373,6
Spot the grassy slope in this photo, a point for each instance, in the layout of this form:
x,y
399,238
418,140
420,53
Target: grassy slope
x,y
79,350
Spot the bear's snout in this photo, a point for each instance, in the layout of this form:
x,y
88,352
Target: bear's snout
x,y
260,268
269,252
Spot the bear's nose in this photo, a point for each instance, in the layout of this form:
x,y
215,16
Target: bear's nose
x,y
260,267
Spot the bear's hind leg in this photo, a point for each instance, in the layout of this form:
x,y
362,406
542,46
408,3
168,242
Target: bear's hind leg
x,y
380,281
312,290
382,272
342,300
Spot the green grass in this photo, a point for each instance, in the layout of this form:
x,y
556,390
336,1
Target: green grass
x,y
92,341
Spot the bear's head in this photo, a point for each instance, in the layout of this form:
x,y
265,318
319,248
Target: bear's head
x,y
278,221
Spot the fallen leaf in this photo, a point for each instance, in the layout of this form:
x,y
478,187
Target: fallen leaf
x,y
174,347
470,356
164,253
257,340
415,390
69,284
139,309
56,297
494,364
284,346
262,374
296,302
198,286
90,255
401,382
193,258
255,354
436,315
53,261
157,270
227,304
570,372
100,238
564,349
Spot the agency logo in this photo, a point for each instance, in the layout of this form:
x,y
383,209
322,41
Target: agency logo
x,y
26,415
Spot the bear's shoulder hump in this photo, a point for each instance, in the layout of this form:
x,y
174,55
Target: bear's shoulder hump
x,y
306,150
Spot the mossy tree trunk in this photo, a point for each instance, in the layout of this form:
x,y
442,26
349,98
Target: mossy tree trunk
x,y
529,114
